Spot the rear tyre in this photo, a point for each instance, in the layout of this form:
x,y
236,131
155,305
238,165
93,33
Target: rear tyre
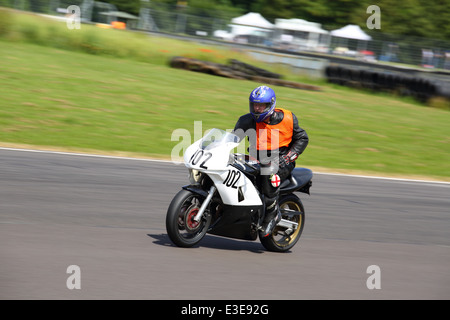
x,y
281,239
181,227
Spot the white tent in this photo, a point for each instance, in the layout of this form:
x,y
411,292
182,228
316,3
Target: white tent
x,y
299,25
253,19
351,31
304,35
251,24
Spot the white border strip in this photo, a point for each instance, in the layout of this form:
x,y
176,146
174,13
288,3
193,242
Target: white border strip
x,y
86,155
382,178
175,162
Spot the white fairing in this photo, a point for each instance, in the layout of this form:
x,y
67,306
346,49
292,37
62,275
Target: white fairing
x,y
211,155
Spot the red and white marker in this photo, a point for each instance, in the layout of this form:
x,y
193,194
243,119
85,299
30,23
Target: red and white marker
x,y
275,180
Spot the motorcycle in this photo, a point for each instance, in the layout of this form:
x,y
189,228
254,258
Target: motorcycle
x,y
223,198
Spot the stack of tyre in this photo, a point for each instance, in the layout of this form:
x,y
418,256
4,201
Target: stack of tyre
x,y
236,69
398,83
206,67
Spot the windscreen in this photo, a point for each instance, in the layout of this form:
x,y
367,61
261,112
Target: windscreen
x,y
216,137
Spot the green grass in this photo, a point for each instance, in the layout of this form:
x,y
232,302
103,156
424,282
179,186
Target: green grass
x,y
30,28
57,98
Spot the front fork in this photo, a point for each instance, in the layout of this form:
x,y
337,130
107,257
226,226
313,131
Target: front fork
x,y
205,204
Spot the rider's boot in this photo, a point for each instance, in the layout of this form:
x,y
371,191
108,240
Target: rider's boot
x,y
271,219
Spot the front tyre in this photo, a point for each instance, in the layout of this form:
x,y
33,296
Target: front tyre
x,y
181,227
282,239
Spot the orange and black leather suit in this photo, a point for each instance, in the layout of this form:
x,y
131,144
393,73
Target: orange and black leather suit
x,y
292,139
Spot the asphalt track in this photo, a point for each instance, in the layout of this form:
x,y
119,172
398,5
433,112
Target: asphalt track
x,y
107,216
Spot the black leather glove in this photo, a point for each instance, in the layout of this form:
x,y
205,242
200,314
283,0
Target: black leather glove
x,y
284,160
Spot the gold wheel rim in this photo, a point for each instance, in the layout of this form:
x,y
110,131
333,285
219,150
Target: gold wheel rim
x,y
297,218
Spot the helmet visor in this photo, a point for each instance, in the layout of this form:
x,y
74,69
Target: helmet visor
x,y
258,108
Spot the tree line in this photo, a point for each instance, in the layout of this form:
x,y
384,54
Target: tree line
x,y
419,18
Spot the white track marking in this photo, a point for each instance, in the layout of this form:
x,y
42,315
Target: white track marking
x,y
177,162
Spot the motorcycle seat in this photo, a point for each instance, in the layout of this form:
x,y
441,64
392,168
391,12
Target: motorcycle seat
x,y
299,178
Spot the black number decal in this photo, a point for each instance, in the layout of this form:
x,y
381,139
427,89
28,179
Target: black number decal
x,y
238,175
226,181
197,156
232,178
208,156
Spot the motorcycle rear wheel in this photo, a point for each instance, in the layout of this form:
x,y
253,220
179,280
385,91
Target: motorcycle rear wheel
x,y
181,227
280,240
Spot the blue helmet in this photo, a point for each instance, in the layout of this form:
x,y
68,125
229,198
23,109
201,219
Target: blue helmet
x,y
265,95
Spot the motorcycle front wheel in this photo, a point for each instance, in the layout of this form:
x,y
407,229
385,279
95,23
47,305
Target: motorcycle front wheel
x,y
181,227
281,239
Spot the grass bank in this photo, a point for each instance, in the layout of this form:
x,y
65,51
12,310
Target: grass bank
x,y
54,97
23,27
112,91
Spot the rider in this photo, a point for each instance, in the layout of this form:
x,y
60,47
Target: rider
x,y
265,124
